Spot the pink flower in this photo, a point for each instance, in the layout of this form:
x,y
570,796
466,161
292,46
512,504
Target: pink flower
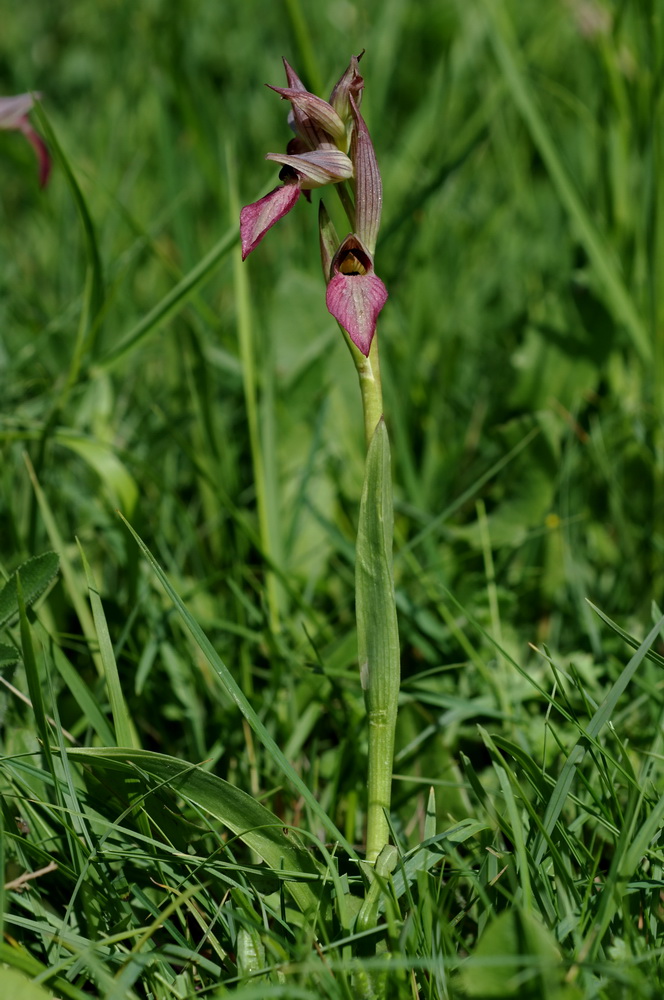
x,y
331,145
355,295
316,157
14,115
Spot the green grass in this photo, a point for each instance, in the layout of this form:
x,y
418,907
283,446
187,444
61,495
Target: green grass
x,y
209,631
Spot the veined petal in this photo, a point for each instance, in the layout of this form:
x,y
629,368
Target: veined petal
x,y
313,118
256,219
355,295
294,81
350,83
368,185
317,168
309,133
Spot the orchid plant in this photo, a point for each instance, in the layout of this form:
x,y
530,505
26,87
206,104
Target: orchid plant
x,y
332,146
14,113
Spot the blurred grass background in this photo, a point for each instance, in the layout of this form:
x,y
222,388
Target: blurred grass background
x,y
521,150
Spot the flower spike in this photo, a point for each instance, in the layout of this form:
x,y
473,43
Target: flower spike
x,y
331,145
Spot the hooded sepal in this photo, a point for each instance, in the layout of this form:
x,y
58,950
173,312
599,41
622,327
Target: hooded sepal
x,y
256,219
355,295
368,185
315,120
351,83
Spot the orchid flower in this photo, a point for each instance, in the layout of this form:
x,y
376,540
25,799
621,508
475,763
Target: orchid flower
x,y
355,295
331,146
14,115
316,157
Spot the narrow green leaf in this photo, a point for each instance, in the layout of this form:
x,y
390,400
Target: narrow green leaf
x,y
260,829
36,574
95,285
577,753
80,691
629,639
68,573
429,852
125,733
101,457
175,300
17,958
17,986
607,270
430,818
32,676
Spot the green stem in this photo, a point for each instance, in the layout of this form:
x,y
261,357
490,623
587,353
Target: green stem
x,y
377,630
368,371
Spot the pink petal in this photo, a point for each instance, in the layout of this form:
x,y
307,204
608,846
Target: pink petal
x,y
368,185
294,81
40,149
355,300
256,219
313,113
317,168
14,109
350,83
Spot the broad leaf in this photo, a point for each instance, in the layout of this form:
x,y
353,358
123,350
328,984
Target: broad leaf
x,y
36,574
260,829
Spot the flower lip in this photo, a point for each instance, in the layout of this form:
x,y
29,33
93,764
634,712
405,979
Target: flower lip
x,y
355,295
352,257
354,261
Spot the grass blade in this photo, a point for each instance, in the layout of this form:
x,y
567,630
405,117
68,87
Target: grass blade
x,y
235,692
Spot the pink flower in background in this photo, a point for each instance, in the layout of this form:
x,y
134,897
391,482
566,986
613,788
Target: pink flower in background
x,y
14,115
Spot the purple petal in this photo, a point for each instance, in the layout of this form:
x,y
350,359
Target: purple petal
x,y
355,300
368,185
350,83
40,148
317,168
14,109
256,219
313,115
294,81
